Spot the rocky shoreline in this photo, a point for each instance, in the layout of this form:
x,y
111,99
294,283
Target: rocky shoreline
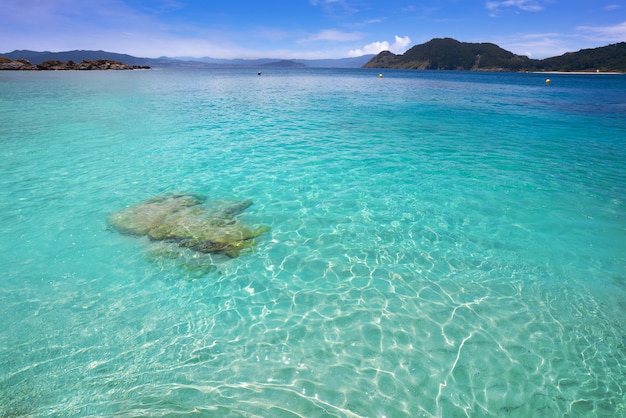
x,y
53,65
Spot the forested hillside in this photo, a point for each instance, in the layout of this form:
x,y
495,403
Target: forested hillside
x,y
450,54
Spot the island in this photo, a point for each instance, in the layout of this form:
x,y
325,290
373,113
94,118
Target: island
x,y
54,65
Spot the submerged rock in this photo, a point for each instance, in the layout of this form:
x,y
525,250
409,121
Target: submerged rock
x,y
190,222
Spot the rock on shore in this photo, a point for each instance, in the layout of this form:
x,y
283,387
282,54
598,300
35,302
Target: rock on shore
x,y
53,65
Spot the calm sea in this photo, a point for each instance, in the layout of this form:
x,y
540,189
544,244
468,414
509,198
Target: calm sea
x,y
442,244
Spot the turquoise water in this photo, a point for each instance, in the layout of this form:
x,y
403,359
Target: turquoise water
x,y
442,244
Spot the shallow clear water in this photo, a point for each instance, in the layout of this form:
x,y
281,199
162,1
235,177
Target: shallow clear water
x,y
442,244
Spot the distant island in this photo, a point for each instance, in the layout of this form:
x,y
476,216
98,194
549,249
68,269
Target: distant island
x,y
450,54
54,65
283,64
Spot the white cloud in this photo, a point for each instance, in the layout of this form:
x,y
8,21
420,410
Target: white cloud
x,y
398,47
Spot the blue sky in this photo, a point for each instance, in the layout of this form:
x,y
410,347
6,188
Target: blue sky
x,y
306,28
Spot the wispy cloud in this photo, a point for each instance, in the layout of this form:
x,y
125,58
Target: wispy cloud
x,y
551,44
111,25
611,7
333,6
536,45
44,15
398,46
271,34
496,7
333,35
614,33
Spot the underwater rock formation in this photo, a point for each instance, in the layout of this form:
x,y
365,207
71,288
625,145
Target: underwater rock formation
x,y
190,222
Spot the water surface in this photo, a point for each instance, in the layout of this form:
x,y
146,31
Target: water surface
x,y
442,244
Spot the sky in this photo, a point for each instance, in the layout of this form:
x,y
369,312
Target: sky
x,y
306,29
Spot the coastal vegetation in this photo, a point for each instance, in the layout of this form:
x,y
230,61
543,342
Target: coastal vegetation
x,y
450,54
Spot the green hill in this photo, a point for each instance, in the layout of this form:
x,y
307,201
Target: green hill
x,y
450,54
608,58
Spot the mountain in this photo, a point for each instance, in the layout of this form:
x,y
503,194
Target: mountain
x,y
36,58
353,62
450,54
